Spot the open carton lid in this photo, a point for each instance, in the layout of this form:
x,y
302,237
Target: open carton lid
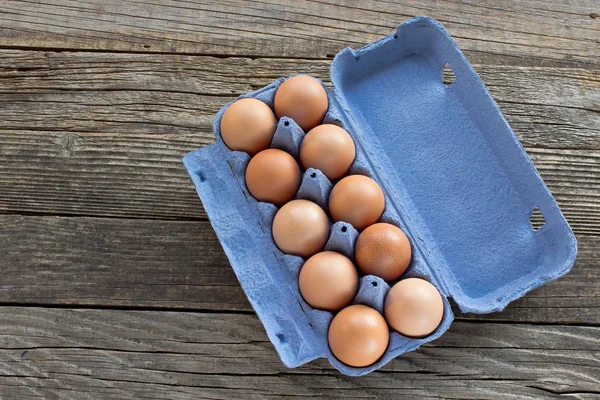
x,y
455,172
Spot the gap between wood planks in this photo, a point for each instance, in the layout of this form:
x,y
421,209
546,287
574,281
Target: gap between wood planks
x,y
474,57
146,263
150,218
72,349
84,215
292,27
173,53
248,312
78,129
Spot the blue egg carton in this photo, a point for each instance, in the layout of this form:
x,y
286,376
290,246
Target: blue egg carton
x,y
455,177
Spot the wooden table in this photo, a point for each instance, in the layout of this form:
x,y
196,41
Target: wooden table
x,y
112,282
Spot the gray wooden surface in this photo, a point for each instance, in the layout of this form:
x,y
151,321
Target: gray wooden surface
x,y
112,282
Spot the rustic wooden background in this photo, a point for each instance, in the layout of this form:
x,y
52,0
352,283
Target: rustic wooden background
x,y
112,282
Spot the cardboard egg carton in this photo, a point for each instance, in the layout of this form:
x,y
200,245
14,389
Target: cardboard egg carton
x,y
455,177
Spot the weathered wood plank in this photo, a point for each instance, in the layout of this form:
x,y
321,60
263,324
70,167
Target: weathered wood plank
x,y
145,263
551,30
78,128
46,353
115,262
91,133
134,93
142,176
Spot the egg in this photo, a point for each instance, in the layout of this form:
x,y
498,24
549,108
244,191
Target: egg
x,y
273,176
248,125
300,228
328,148
303,99
328,281
414,307
382,250
358,336
358,200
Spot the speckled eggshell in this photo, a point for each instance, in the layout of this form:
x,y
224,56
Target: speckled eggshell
x,y
382,250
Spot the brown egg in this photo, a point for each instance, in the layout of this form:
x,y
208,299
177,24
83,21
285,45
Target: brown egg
x,y
328,148
328,281
273,176
358,200
358,336
301,228
382,250
302,99
414,307
248,125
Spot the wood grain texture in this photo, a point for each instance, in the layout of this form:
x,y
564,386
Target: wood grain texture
x,y
137,93
128,175
551,30
99,101
86,354
116,262
79,130
144,263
